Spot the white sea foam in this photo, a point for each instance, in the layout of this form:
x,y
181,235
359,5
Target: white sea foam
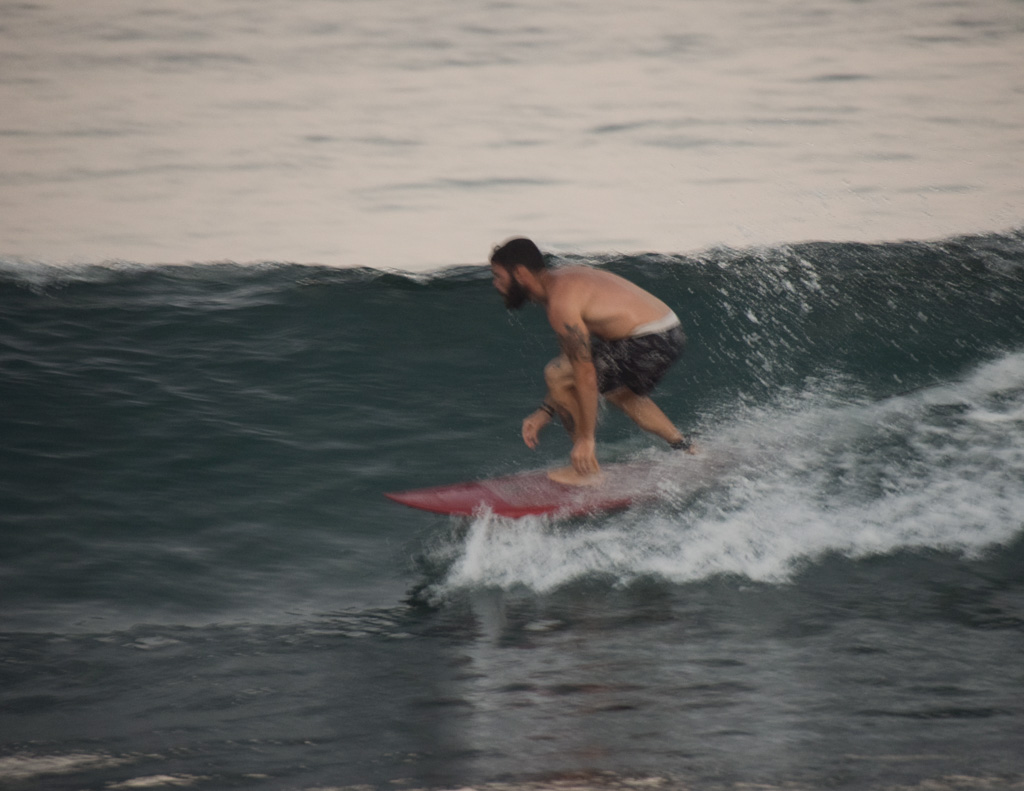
x,y
938,469
157,781
23,766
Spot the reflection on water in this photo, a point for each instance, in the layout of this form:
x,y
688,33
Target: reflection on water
x,y
376,134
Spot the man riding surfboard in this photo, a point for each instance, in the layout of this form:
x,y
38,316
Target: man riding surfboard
x,y
617,340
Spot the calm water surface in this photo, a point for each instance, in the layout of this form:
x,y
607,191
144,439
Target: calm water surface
x,y
411,135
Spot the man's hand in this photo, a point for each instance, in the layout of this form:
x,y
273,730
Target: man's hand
x,y
532,425
584,460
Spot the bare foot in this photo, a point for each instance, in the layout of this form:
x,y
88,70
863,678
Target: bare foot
x,y
690,447
570,477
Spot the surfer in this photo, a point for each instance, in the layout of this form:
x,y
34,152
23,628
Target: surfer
x,y
617,340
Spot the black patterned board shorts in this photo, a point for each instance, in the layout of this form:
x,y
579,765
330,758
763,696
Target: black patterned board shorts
x,y
636,362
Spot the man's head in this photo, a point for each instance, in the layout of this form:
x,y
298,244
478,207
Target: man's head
x,y
505,261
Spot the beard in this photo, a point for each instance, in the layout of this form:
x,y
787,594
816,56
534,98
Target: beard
x,y
516,296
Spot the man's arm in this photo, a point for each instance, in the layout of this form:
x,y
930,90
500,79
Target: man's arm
x,y
574,338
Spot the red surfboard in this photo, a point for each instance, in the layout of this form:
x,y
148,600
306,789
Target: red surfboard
x,y
531,493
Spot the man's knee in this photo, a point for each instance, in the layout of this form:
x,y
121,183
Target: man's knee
x,y
558,373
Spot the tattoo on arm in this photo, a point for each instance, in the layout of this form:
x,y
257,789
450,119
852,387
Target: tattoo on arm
x,y
575,342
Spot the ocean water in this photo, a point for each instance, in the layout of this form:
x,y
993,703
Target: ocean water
x,y
242,294
203,585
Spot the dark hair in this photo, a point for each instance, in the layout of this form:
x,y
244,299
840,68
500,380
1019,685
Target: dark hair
x,y
518,252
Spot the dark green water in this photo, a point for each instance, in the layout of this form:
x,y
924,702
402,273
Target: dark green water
x,y
201,581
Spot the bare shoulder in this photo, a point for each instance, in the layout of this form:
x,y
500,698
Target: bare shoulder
x,y
572,292
569,290
607,304
567,295
582,282
578,280
583,274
